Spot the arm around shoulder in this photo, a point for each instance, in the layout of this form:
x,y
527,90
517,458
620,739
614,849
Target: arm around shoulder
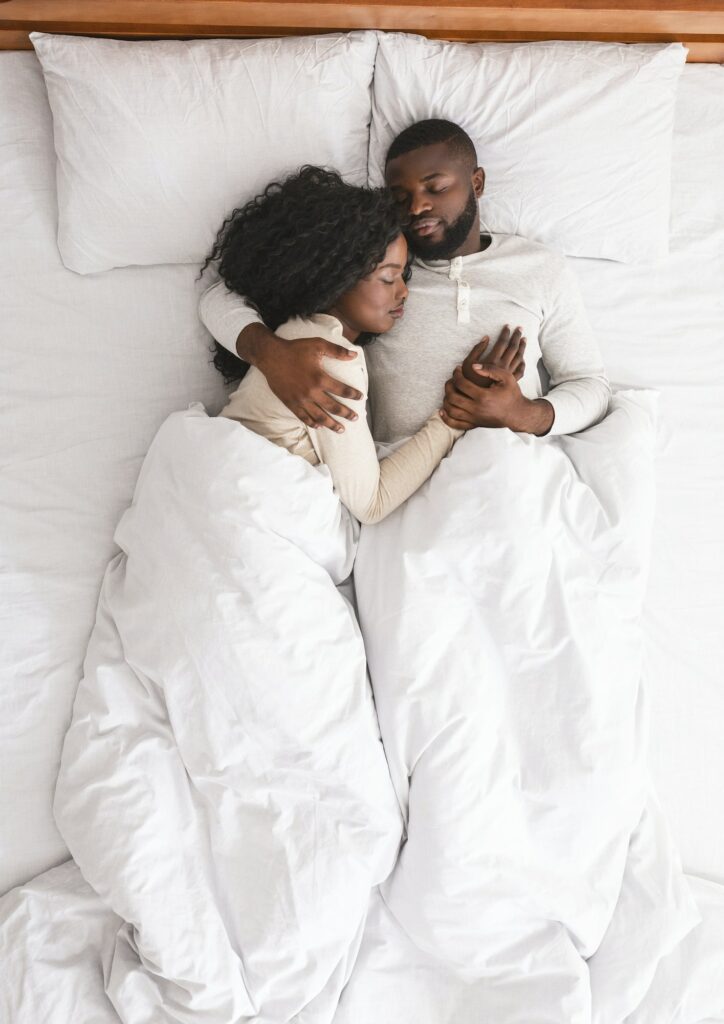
x,y
226,316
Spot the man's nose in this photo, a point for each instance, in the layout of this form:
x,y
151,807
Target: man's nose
x,y
420,204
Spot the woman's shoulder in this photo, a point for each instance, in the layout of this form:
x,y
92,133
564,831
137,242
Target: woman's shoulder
x,y
318,325
322,325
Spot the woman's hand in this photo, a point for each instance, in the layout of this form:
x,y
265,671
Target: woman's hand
x,y
508,353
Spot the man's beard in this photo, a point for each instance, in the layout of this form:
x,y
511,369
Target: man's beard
x,y
453,236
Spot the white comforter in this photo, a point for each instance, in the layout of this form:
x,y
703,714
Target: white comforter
x,y
224,791
500,610
223,787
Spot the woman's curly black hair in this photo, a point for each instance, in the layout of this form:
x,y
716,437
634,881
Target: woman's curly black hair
x,y
297,247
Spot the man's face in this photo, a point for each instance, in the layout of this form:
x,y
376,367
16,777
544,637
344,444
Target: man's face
x,y
439,193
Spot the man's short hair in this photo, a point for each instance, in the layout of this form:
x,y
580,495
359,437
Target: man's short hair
x,y
430,131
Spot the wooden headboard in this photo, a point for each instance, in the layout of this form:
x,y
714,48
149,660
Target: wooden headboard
x,y
699,24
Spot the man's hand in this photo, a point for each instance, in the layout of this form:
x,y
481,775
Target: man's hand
x,y
497,403
293,370
508,353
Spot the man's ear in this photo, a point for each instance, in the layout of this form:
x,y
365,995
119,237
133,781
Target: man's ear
x,y
478,182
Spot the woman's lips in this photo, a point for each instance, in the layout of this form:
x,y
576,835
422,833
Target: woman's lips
x,y
397,313
425,227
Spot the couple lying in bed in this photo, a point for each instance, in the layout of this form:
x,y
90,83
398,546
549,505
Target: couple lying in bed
x,y
324,268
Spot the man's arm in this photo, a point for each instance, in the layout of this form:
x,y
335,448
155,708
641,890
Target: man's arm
x,y
293,369
579,388
226,316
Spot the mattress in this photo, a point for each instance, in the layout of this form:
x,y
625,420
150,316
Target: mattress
x,y
663,327
93,366
97,362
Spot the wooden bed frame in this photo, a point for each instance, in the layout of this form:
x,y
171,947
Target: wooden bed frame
x,y
699,24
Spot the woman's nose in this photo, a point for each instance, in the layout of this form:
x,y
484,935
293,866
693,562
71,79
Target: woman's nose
x,y
402,292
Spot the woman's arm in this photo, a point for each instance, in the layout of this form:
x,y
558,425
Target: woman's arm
x,y
371,489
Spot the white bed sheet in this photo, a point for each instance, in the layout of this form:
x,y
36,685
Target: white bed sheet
x,y
664,327
96,363
92,366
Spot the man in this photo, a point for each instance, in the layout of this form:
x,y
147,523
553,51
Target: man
x,y
464,286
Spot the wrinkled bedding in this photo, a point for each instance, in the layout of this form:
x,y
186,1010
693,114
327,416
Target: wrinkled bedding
x,y
222,786
506,650
234,820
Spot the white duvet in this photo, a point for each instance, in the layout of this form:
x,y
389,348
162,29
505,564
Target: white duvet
x,y
222,786
501,614
224,791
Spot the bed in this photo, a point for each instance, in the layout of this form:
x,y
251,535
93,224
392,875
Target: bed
x,y
97,361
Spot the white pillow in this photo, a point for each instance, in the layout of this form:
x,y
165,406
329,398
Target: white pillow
x,y
157,141
575,138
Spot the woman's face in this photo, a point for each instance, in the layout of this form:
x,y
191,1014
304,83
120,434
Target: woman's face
x,y
377,301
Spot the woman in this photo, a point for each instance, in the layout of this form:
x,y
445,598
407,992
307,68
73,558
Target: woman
x,y
318,257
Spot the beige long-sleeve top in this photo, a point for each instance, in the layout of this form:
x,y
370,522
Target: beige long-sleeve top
x,y
370,489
